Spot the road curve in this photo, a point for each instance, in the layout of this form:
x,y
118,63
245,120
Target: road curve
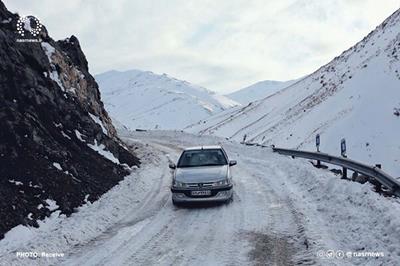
x,y
258,227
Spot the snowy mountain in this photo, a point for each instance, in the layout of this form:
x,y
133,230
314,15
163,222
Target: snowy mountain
x,y
258,91
145,100
354,96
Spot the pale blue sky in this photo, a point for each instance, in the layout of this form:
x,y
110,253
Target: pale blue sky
x,y
221,45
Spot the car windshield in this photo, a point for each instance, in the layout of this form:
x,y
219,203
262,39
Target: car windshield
x,y
207,157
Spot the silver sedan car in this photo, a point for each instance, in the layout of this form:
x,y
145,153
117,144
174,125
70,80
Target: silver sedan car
x,y
202,174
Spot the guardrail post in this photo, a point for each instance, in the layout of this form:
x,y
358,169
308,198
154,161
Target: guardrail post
x,y
344,175
317,142
379,185
343,152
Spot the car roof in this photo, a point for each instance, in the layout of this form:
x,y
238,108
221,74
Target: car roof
x,y
207,147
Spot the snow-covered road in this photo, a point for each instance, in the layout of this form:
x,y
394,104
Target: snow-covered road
x,y
284,212
159,233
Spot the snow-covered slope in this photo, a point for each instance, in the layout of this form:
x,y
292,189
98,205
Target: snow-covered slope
x,y
258,91
353,97
146,100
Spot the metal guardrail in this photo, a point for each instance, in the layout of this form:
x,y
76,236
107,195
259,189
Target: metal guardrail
x,y
372,171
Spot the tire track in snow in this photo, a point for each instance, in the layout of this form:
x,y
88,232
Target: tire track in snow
x,y
285,219
150,204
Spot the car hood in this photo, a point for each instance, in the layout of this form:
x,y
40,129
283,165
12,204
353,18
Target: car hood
x,y
201,174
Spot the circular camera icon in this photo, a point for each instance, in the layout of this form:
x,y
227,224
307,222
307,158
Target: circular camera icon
x,y
339,254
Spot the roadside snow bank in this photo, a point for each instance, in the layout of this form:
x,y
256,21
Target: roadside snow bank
x,y
59,233
354,217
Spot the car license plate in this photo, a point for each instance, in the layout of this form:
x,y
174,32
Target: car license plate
x,y
201,193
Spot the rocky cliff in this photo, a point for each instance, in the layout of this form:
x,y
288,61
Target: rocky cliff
x,y
58,147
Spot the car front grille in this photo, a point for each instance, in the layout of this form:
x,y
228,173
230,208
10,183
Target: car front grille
x,y
200,185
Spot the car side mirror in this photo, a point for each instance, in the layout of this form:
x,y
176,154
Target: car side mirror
x,y
232,163
172,166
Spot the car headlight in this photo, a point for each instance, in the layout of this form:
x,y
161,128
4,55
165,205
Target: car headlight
x,y
222,183
178,184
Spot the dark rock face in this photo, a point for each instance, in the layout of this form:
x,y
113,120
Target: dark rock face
x,y
50,115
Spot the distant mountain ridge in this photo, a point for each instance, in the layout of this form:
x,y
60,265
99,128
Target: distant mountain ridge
x,y
142,99
258,91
